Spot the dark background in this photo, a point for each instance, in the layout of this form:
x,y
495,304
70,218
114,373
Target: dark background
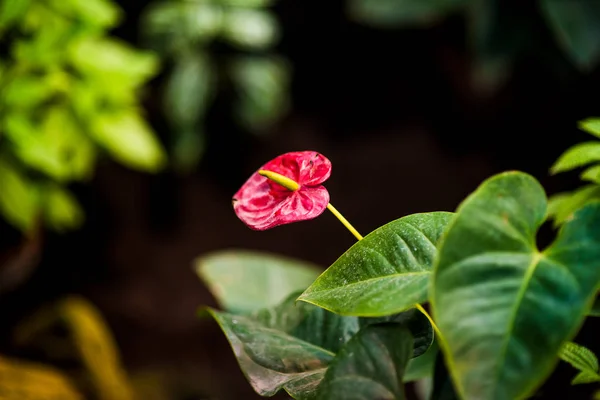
x,y
394,112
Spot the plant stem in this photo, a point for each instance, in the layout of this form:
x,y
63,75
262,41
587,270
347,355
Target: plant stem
x,y
344,221
359,237
433,325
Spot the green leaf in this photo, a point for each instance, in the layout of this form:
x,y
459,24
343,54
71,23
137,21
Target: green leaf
x,y
370,366
418,325
591,126
577,156
582,359
18,198
188,90
503,307
562,205
262,85
271,359
591,174
422,366
130,140
26,91
595,310
576,28
61,209
305,329
250,29
11,11
100,13
244,281
400,13
108,61
386,272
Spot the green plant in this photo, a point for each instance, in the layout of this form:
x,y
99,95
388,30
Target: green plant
x,y
69,93
187,34
500,33
503,311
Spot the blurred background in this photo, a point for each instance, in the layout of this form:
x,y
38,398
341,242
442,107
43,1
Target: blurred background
x,y
126,127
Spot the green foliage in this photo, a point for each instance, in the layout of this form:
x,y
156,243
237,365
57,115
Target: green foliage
x,y
499,33
499,300
183,33
244,281
582,359
386,272
370,366
562,205
69,93
268,333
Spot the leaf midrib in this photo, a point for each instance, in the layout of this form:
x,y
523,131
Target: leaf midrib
x,y
366,281
536,257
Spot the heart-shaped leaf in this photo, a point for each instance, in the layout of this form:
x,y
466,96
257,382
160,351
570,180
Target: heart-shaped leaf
x,y
290,346
244,281
386,272
370,366
503,307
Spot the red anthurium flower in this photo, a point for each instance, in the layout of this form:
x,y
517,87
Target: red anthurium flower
x,y
292,191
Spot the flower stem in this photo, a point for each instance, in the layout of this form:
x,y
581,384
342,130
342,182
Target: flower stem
x,y
344,221
433,325
359,237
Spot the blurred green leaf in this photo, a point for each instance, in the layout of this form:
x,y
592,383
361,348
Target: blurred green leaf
x,y
561,206
582,359
576,28
250,29
591,126
577,156
243,281
18,197
188,90
111,62
591,174
400,13
176,27
129,139
102,13
262,85
61,210
26,91
247,3
11,11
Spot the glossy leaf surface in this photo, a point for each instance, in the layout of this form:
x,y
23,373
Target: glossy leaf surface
x,y
504,307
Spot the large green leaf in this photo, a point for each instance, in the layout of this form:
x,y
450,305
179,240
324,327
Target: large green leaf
x,y
583,359
386,272
505,308
370,366
576,27
398,13
243,281
290,345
